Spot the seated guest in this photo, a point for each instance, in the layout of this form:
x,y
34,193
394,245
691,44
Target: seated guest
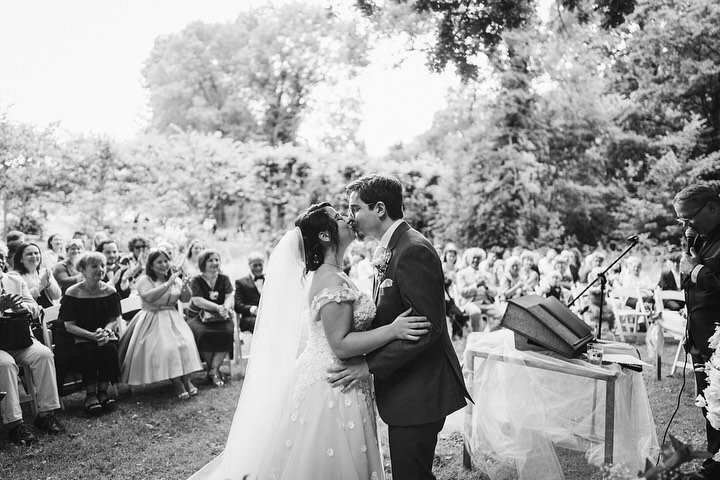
x,y
552,287
594,260
189,265
631,276
89,311
133,265
362,272
670,280
113,269
528,271
158,344
574,258
248,290
40,281
545,265
98,238
512,284
16,297
449,263
475,297
64,271
560,265
591,305
54,252
14,239
209,316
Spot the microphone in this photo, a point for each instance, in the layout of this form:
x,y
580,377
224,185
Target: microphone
x,y
690,237
633,239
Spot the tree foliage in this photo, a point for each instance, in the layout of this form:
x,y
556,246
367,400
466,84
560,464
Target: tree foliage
x,y
251,79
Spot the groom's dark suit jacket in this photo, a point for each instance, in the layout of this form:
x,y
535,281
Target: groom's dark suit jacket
x,y
415,382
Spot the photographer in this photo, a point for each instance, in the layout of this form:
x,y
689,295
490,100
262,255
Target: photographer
x,y
16,301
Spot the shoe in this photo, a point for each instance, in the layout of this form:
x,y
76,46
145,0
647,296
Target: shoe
x,y
106,401
191,389
49,423
92,405
22,435
183,396
216,380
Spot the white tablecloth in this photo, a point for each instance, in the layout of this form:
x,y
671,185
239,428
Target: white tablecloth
x,y
521,411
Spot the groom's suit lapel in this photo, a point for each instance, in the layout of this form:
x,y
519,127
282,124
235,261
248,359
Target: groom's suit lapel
x,y
397,234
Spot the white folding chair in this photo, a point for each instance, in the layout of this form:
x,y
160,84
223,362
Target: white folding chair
x,y
627,320
673,323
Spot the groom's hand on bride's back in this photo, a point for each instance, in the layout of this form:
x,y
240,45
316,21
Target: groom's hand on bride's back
x,y
349,374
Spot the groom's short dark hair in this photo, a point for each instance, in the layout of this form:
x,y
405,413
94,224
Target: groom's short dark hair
x,y
380,188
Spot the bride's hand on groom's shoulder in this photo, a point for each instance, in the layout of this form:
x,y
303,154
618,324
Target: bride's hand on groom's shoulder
x,y
410,327
349,374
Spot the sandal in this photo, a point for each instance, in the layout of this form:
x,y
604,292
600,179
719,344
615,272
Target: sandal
x,y
183,396
191,389
216,380
106,401
92,405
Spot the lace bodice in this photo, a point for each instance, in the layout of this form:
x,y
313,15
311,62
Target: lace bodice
x,y
318,355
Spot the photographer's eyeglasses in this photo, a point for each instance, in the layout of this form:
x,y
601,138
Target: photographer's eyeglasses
x,y
686,220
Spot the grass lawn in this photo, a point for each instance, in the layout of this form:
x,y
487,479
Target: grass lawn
x,y
152,435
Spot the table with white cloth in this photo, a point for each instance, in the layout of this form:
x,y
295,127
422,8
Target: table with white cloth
x,y
526,403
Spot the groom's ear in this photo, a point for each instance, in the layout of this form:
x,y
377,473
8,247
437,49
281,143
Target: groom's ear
x,y
380,210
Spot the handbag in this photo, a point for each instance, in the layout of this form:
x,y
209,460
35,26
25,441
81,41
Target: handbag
x,y
207,316
15,331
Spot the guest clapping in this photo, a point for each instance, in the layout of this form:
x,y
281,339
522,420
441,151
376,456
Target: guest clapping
x,y
64,271
113,269
90,310
133,265
158,344
40,281
210,313
189,266
54,252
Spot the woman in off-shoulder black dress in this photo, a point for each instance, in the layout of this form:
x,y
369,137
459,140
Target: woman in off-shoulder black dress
x,y
89,311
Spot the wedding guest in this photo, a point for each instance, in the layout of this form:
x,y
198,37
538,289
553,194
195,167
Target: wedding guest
x,y
574,263
631,276
363,272
189,266
528,271
449,263
14,239
113,269
158,344
512,284
64,271
698,206
475,297
594,260
592,313
133,265
560,264
54,252
98,238
545,263
670,280
40,281
552,287
209,316
89,311
16,297
248,290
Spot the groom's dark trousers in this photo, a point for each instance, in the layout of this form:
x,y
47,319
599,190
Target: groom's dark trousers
x,y
417,384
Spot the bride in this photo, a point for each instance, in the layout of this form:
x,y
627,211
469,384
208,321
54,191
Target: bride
x,y
290,423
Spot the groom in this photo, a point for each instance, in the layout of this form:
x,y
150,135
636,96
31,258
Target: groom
x,y
417,384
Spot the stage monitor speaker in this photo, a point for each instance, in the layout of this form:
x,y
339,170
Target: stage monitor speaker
x,y
546,324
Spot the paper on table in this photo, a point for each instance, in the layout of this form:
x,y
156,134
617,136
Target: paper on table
x,y
623,359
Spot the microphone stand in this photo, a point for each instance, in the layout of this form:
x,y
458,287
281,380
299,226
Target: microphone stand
x,y
603,282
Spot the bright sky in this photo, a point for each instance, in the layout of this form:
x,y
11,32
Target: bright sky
x,y
79,62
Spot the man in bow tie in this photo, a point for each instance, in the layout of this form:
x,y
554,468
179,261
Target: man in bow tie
x,y
698,206
417,384
248,290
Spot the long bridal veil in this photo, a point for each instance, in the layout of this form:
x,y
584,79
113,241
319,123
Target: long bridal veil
x,y
277,335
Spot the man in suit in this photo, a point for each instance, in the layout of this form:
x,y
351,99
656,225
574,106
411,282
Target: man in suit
x,y
698,206
417,384
248,290
15,296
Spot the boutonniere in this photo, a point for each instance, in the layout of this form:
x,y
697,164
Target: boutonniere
x,y
214,295
381,262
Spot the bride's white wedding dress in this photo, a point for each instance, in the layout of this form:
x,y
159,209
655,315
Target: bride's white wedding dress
x,y
290,424
324,433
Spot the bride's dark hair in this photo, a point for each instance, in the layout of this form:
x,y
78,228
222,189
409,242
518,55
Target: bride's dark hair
x,y
311,222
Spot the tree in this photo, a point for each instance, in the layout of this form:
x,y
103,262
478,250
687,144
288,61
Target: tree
x,y
251,79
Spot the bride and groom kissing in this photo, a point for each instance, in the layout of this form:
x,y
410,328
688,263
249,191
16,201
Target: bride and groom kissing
x,y
312,416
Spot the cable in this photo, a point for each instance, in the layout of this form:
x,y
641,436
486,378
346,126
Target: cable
x,y
677,407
